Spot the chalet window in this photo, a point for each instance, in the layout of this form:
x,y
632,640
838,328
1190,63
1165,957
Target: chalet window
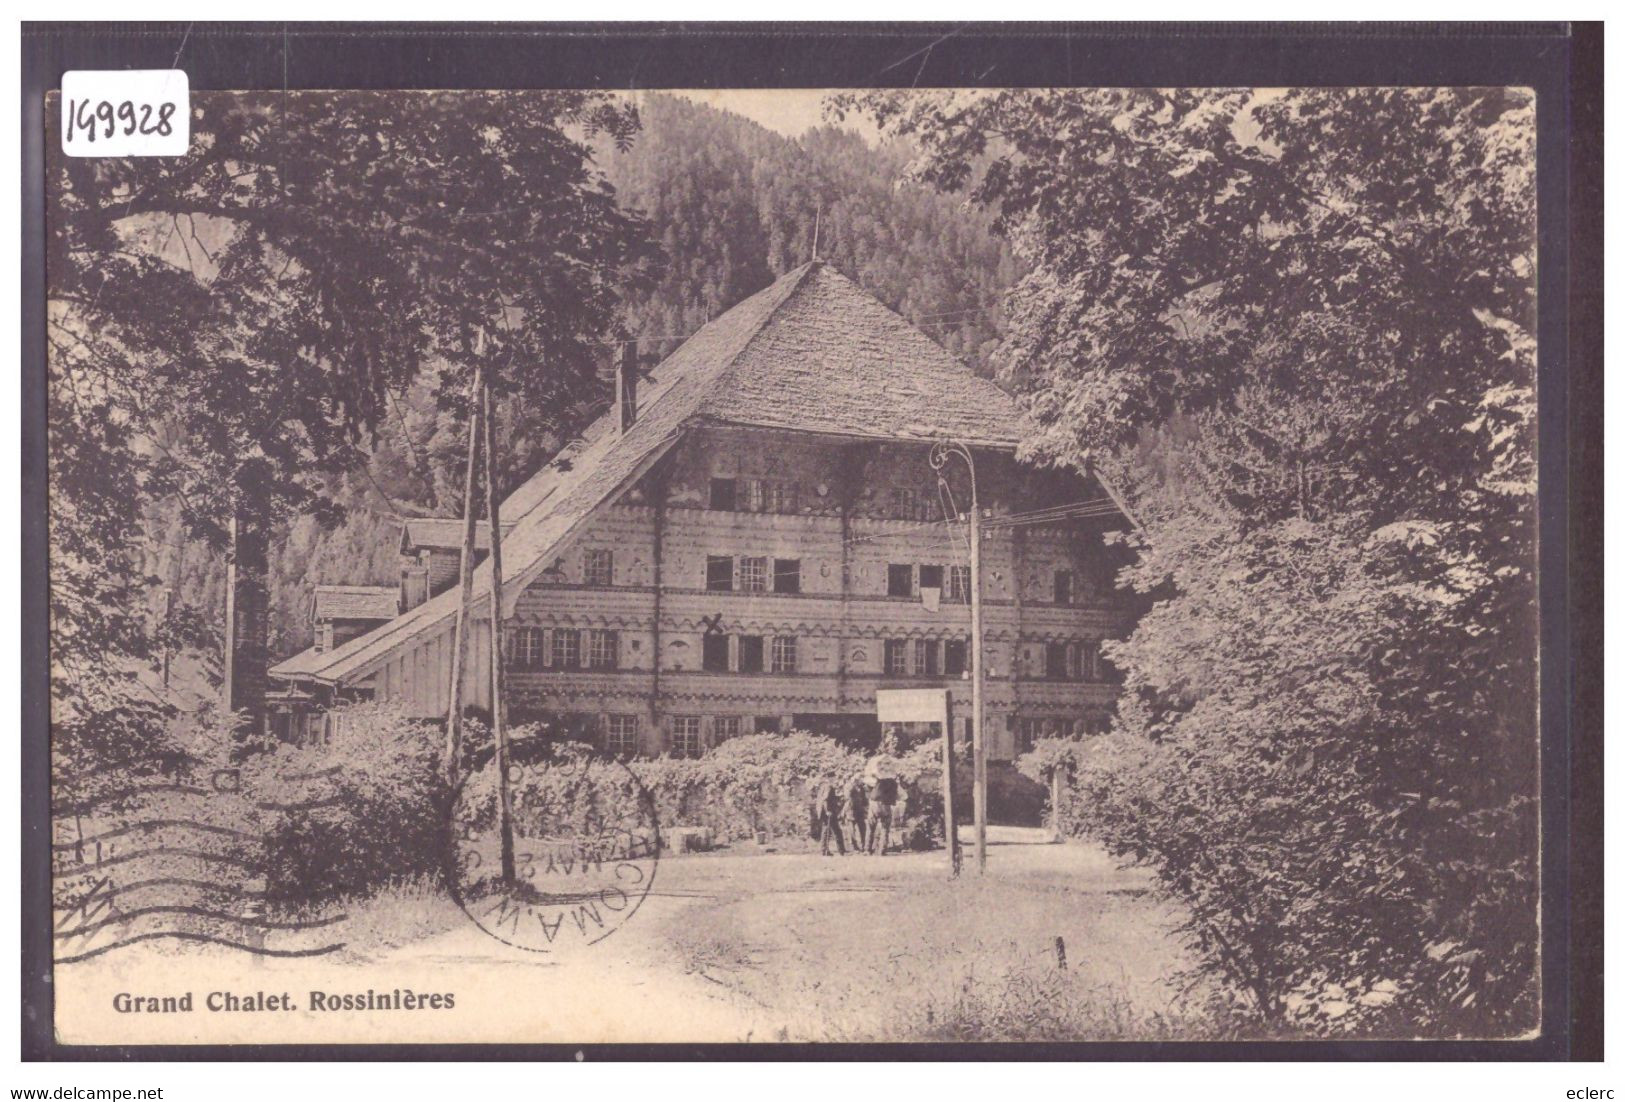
x,y
685,736
1055,661
955,657
1026,733
784,654
784,497
786,575
767,725
566,648
897,657
927,658
1063,587
754,499
719,573
603,649
930,577
900,580
753,574
724,493
1090,664
621,736
724,728
598,567
905,505
750,654
528,648
715,654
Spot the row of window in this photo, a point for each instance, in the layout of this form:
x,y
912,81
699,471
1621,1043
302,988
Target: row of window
x,y
926,657
1076,661
765,495
529,650
761,574
755,495
621,733
752,574
908,579
744,653
600,649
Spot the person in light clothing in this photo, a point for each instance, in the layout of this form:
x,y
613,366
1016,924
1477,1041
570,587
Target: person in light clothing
x,y
880,776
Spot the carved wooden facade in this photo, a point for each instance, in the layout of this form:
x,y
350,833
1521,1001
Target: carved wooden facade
x,y
761,542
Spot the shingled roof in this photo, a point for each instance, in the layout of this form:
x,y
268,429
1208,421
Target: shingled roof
x,y
812,352
444,534
355,602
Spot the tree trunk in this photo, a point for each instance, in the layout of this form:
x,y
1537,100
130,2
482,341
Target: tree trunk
x,y
247,641
499,724
459,648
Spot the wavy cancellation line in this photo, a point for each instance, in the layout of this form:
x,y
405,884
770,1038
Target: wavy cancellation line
x,y
151,824
200,912
186,935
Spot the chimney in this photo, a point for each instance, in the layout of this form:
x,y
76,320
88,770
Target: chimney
x,y
414,585
626,385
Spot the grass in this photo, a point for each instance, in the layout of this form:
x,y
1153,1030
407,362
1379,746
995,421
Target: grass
x,y
404,913
1022,1001
796,947
876,951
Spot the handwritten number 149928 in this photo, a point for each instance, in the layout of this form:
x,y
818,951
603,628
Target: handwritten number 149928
x,y
86,117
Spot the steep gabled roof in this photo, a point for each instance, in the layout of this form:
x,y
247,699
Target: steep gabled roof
x,y
812,352
834,359
355,602
444,534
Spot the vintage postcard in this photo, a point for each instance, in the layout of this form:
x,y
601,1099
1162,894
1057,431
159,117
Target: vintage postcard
x,y
1041,564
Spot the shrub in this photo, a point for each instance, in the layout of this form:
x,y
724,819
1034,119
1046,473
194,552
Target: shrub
x,y
751,784
365,809
1068,758
1300,889
754,783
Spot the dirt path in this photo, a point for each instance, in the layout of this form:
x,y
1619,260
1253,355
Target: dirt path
x,y
726,947
796,946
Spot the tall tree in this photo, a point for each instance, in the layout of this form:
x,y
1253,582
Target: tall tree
x,y
1299,327
228,327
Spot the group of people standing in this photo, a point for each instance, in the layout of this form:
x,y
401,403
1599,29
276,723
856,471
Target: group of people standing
x,y
866,808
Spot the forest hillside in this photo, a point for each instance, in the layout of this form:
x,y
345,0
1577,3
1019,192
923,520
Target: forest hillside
x,y
733,206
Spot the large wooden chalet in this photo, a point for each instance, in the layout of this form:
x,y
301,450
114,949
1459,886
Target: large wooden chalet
x,y
755,540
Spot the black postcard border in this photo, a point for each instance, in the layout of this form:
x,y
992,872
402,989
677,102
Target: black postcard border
x,y
1562,62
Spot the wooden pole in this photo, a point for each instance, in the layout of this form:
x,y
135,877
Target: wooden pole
x,y
978,668
499,724
950,826
1055,804
459,648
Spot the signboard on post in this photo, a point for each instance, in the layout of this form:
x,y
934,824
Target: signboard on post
x,y
912,706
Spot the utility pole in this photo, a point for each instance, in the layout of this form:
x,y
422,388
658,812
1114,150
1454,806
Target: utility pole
x,y
939,459
499,723
459,649
950,822
978,735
